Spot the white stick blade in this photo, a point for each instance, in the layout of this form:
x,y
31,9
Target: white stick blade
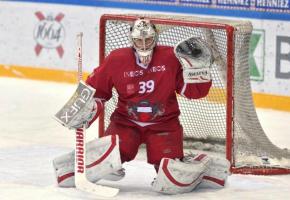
x,y
96,190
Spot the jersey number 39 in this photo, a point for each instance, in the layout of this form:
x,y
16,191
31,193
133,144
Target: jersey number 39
x,y
146,86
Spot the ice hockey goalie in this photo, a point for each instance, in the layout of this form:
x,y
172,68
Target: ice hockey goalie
x,y
147,78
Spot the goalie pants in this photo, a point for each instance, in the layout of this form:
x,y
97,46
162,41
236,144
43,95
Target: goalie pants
x,y
163,140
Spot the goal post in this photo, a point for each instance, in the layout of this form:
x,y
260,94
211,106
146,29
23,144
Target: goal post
x,y
225,121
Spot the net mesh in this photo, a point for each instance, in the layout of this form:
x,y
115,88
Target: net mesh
x,y
204,120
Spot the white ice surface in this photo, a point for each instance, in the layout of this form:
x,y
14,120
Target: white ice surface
x,y
30,138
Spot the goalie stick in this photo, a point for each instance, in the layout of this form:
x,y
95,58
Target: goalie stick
x,y
81,181
65,116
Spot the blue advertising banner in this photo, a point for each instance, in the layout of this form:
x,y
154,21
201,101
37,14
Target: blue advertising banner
x,y
254,9
234,3
272,4
207,2
162,0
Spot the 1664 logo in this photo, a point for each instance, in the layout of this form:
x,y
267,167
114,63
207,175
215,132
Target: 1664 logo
x,y
49,33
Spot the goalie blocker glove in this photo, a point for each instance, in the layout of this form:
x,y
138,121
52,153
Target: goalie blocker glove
x,y
196,58
81,109
88,114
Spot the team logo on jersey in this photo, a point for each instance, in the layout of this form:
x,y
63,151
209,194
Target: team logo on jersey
x,y
49,33
130,88
159,68
131,74
144,111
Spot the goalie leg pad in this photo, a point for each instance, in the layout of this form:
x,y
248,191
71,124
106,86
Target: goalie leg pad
x,y
175,176
115,176
217,174
102,157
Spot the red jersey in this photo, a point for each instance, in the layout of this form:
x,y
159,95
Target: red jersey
x,y
145,95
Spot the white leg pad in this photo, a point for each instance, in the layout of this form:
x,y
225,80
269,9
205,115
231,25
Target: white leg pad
x,y
176,176
115,176
217,174
102,157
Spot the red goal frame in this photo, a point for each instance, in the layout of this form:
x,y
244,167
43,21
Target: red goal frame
x,y
230,74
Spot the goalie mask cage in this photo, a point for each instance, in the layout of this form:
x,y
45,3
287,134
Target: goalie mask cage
x,y
225,121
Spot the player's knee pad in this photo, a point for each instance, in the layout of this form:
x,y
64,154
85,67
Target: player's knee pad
x,y
102,158
175,176
217,173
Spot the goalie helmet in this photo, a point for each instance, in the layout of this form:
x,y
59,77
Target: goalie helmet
x,y
194,52
143,37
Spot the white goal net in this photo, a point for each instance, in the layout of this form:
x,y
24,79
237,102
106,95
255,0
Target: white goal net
x,y
225,121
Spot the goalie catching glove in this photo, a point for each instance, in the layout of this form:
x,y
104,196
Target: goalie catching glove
x,y
196,58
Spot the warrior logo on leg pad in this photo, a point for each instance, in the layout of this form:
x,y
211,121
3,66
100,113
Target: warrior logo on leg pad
x,y
103,158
